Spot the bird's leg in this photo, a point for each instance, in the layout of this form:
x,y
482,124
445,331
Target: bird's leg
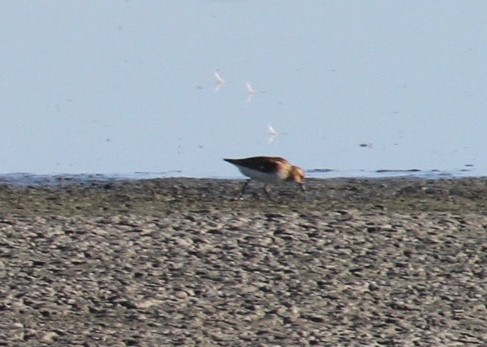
x,y
243,189
267,192
303,191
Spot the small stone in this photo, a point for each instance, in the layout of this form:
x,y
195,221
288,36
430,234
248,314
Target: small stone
x,y
50,337
181,294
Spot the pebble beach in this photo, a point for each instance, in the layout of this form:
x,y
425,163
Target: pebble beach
x,y
180,262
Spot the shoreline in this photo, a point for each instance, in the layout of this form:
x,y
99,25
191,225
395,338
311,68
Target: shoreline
x,y
24,179
167,195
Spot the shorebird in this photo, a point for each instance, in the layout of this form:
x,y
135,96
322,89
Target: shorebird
x,y
268,170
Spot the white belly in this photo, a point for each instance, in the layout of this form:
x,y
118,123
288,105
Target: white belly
x,y
275,177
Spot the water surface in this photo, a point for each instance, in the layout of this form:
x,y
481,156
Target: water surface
x,y
120,87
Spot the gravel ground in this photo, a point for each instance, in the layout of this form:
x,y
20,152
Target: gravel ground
x,y
353,262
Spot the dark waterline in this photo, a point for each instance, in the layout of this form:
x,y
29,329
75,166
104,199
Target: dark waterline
x,y
20,179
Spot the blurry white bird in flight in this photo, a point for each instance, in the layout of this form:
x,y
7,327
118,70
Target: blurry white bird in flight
x,y
250,92
273,133
219,81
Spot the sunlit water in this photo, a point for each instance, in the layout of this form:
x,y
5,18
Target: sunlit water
x,y
128,89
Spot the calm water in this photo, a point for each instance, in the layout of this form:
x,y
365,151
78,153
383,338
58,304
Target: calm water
x,y
128,88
